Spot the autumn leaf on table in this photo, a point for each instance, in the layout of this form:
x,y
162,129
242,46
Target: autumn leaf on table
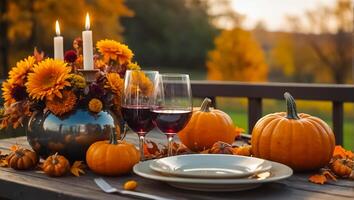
x,y
151,148
318,179
77,168
244,150
4,162
340,152
329,175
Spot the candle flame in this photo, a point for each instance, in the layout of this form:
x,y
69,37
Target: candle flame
x,y
57,28
87,22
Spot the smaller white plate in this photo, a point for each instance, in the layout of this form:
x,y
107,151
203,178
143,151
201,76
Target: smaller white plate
x,y
210,166
278,172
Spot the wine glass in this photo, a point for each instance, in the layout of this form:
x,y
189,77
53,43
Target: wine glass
x,y
137,101
173,105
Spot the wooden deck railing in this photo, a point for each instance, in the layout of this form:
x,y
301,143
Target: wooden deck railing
x,y
255,92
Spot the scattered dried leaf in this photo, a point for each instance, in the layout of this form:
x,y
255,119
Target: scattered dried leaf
x,y
77,168
329,175
4,163
130,185
243,150
318,179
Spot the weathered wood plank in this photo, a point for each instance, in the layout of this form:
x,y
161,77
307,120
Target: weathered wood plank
x,y
29,184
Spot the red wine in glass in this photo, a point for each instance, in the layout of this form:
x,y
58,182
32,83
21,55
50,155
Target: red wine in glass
x,y
171,121
138,118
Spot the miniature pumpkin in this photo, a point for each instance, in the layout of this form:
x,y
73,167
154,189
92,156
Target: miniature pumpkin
x,y
206,127
56,165
341,167
302,141
221,148
22,159
112,158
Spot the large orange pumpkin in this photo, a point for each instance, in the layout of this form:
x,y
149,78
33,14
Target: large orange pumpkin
x,y
300,141
206,127
112,158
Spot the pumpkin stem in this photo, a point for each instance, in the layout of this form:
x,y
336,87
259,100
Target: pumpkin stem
x,y
55,159
113,138
291,106
205,105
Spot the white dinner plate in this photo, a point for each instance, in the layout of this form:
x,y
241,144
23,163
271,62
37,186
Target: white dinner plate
x,y
210,165
278,172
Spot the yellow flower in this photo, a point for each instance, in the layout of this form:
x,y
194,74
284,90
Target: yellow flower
x,y
59,106
18,74
77,81
47,79
113,50
100,64
7,93
95,105
115,83
133,66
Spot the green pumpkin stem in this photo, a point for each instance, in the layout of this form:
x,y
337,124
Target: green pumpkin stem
x,y
113,138
291,106
205,105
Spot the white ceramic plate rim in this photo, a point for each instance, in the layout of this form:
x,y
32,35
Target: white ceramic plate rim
x,y
154,165
142,169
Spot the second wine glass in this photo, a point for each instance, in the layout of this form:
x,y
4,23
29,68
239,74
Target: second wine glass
x,y
137,102
173,105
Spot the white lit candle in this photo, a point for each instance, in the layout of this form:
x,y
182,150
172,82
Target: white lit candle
x,y
58,43
87,45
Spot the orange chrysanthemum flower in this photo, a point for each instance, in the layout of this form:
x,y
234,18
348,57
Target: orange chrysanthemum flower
x,y
113,50
47,79
18,74
59,106
115,83
7,93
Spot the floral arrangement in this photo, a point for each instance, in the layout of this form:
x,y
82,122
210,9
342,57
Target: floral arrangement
x,y
39,84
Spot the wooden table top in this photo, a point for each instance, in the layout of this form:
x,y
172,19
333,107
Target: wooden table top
x,y
36,185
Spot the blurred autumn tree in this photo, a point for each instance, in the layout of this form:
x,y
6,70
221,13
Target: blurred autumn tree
x,y
170,33
28,23
325,52
237,56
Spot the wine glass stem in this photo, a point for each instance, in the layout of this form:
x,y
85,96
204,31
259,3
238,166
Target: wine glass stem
x,y
141,147
170,145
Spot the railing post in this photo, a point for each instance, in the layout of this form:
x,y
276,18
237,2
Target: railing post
x,y
337,117
254,112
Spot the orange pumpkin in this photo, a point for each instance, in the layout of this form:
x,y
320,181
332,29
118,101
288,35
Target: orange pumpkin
x,y
112,158
206,127
341,167
56,165
22,159
300,141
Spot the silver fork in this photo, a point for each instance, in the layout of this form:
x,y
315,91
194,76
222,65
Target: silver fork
x,y
106,187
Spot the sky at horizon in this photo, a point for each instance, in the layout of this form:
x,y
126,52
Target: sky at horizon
x,y
273,12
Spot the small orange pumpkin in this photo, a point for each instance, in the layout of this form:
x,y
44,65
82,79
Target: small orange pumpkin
x,y
56,165
206,127
221,148
112,158
22,159
302,141
341,167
